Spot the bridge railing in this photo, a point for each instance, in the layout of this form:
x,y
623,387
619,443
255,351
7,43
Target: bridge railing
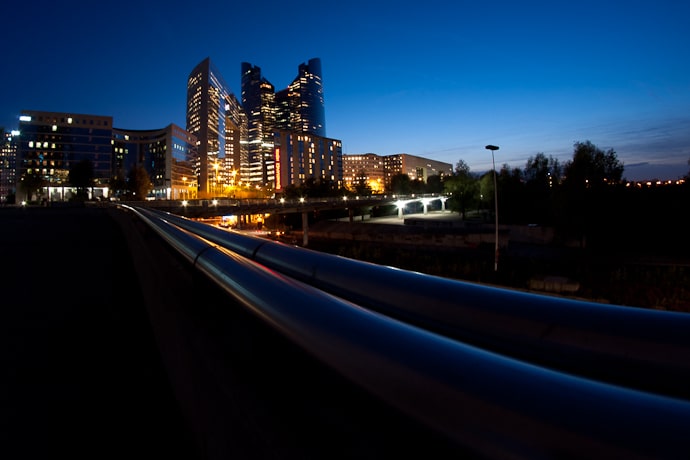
x,y
637,347
490,368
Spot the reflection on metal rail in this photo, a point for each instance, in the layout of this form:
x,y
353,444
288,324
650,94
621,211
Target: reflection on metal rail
x,y
400,335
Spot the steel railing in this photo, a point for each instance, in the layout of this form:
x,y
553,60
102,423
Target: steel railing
x,y
454,355
646,349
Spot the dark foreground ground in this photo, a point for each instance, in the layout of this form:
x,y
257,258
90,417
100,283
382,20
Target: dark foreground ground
x,y
81,375
111,348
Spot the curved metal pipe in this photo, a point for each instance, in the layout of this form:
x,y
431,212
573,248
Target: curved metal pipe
x,y
497,405
644,349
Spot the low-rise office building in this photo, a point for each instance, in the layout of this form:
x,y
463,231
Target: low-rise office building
x,y
376,171
50,144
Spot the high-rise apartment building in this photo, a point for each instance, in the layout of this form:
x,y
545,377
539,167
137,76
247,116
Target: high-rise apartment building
x,y
8,165
216,118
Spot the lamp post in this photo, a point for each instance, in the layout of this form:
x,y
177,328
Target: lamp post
x,y
492,148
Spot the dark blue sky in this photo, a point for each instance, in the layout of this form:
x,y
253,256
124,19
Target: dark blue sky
x,y
434,79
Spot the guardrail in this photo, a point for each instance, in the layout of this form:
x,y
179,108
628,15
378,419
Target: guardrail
x,y
413,340
646,349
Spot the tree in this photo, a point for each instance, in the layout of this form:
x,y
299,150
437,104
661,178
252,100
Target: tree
x,y
542,173
362,186
434,184
542,176
118,185
511,196
592,167
588,198
486,192
139,182
401,184
81,176
31,183
463,187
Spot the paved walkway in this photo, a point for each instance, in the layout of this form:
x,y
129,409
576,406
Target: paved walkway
x,y
80,373
111,347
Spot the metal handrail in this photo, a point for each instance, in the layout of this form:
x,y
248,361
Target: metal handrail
x,y
498,406
640,348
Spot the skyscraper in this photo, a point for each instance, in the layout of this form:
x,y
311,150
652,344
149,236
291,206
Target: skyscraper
x,y
214,116
237,140
300,107
301,149
258,102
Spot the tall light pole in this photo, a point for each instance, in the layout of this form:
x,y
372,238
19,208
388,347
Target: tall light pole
x,y
492,148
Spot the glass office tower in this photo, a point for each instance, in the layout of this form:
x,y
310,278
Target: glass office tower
x,y
214,116
258,102
300,107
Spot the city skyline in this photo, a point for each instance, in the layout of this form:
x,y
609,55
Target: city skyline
x,y
435,80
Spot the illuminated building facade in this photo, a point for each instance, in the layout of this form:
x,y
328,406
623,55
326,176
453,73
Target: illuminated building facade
x,y
300,107
8,166
216,118
300,156
258,102
169,156
50,143
365,170
417,168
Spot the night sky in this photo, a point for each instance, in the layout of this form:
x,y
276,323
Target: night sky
x,y
433,79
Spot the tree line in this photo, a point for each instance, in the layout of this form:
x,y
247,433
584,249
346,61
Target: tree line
x,y
584,198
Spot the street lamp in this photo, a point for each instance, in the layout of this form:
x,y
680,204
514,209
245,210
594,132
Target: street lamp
x,y
492,148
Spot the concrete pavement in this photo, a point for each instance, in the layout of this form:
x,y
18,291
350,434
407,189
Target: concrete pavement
x,y
112,347
81,375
